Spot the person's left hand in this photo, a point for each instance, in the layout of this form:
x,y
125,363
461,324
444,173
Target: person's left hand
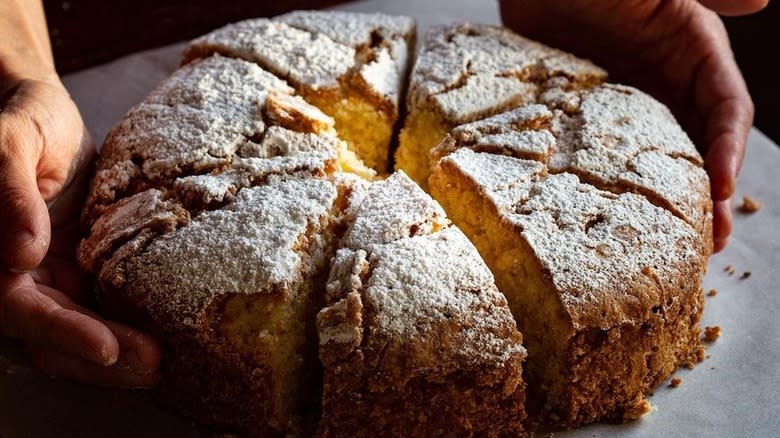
x,y
45,157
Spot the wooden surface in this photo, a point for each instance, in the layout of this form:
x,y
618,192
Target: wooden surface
x,y
88,32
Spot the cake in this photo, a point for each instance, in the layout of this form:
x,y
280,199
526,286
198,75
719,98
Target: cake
x,y
298,291
351,66
415,338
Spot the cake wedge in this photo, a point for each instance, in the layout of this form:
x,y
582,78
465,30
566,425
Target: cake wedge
x,y
415,338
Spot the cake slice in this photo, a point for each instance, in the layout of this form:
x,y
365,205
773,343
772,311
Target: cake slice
x,y
350,65
233,293
605,287
415,339
470,71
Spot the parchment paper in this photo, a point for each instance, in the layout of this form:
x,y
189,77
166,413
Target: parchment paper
x,y
735,392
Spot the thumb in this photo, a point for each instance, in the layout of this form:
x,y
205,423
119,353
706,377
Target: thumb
x,y
25,229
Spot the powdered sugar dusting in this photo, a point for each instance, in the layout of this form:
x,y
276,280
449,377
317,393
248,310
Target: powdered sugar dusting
x,y
623,138
515,132
349,28
608,255
317,50
454,56
612,136
127,218
249,246
196,121
428,292
394,209
304,58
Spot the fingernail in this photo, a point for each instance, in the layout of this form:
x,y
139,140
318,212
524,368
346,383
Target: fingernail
x,y
107,358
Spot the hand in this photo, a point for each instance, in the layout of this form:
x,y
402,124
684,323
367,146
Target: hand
x,y
678,51
44,159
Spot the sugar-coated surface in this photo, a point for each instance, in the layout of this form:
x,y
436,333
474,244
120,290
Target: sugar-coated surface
x,y
414,280
352,29
613,136
252,245
394,209
462,56
211,115
301,57
317,50
608,255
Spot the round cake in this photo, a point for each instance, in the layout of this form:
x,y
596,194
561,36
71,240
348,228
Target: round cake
x,y
245,214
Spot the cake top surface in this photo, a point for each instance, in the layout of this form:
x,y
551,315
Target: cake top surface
x,y
391,210
424,293
353,29
515,132
317,50
251,245
611,257
301,57
209,116
613,136
494,63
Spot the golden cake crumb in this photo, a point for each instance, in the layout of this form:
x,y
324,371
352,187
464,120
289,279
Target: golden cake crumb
x,y
712,293
711,333
749,205
675,382
636,411
729,270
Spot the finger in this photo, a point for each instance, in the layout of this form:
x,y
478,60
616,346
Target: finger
x,y
37,319
63,273
120,374
724,102
731,7
728,125
138,350
721,224
24,218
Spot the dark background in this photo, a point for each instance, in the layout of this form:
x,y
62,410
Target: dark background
x,y
89,32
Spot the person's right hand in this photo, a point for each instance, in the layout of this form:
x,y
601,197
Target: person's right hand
x,y
45,157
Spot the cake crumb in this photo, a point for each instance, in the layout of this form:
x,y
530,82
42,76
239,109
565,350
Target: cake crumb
x,y
711,333
745,275
712,293
641,408
675,382
749,205
729,270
